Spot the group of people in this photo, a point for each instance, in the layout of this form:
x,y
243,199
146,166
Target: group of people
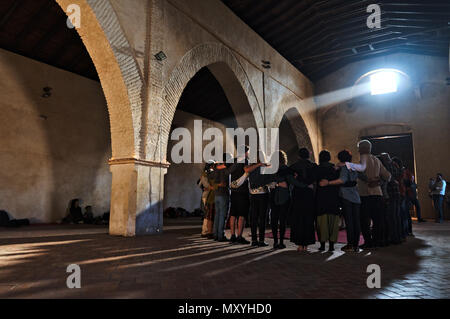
x,y
374,197
76,216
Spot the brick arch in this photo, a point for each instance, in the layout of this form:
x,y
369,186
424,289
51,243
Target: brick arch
x,y
299,127
225,67
118,71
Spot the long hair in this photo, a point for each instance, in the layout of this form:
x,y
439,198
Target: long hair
x,y
73,201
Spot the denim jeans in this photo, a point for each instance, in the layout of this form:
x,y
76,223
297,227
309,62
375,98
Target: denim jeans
x,y
221,204
438,207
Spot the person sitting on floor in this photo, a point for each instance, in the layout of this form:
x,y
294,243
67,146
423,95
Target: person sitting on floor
x,y
88,216
75,214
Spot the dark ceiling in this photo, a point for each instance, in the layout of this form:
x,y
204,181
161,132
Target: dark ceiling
x,y
319,37
204,96
37,29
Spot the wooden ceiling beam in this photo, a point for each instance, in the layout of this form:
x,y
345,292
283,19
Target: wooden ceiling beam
x,y
39,15
334,52
5,19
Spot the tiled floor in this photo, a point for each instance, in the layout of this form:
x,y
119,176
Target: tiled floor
x,y
179,264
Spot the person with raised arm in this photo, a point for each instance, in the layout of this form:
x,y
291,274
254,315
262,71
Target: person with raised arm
x,y
369,188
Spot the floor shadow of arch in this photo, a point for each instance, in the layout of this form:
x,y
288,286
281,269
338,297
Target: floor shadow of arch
x,y
181,264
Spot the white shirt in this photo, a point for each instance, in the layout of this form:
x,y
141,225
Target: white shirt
x,y
373,169
440,188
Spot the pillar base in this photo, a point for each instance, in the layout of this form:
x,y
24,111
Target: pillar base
x,y
137,194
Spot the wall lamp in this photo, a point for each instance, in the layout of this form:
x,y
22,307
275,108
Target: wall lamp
x,y
160,56
266,64
47,92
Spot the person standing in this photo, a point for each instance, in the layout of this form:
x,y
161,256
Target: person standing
x,y
391,194
407,177
220,177
235,177
369,188
327,203
351,202
207,201
240,199
259,201
404,209
303,208
411,194
280,199
438,187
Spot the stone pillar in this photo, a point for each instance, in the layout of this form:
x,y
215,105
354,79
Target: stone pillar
x,y
137,195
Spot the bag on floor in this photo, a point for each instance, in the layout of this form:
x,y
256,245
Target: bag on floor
x,y
4,218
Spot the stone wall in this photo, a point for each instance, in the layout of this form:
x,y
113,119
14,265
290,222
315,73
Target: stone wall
x,y
55,149
421,109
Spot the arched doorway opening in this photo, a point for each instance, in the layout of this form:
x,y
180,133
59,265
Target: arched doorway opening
x,y
288,140
213,98
294,135
55,124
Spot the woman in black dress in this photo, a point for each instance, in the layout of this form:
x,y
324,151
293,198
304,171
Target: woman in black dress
x,y
303,214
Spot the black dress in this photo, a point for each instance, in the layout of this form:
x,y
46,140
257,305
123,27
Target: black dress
x,y
327,197
303,212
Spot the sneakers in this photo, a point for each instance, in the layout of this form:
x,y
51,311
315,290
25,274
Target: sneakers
x,y
254,244
356,249
233,239
223,240
366,246
262,244
281,246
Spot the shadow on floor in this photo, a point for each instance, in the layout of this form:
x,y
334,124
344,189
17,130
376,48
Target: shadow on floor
x,y
180,264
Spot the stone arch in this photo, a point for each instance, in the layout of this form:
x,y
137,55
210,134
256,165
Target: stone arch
x,y
122,84
118,71
299,128
230,74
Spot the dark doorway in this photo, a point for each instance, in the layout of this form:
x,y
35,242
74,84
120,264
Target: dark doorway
x,y
400,146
